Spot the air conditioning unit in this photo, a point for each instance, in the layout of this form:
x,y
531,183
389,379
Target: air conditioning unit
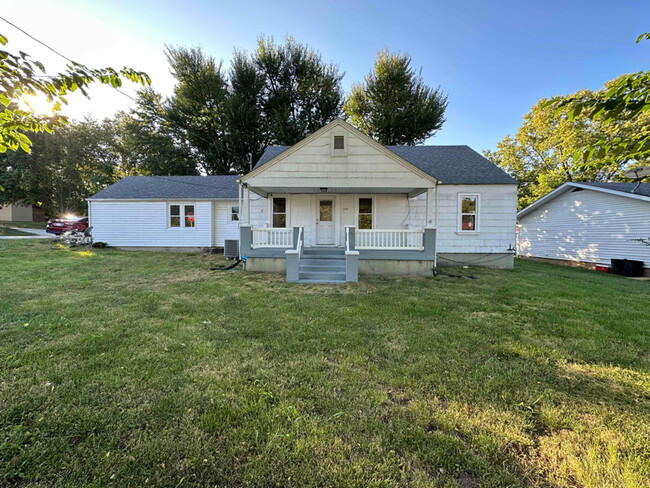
x,y
231,248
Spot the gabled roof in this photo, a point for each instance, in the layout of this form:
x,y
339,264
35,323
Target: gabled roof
x,y
171,188
620,189
451,165
643,189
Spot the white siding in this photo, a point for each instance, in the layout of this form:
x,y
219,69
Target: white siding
x,y
224,227
364,166
587,226
144,224
497,215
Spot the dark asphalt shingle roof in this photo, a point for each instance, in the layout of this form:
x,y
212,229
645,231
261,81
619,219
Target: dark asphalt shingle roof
x,y
171,188
451,165
644,188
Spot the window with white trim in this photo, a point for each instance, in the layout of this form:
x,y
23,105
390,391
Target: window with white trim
x,y
279,211
174,215
181,216
189,215
468,208
234,213
364,219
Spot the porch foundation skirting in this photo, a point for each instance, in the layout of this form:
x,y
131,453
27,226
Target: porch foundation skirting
x,y
395,267
267,265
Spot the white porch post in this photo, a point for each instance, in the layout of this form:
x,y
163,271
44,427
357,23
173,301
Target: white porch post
x,y
246,208
431,220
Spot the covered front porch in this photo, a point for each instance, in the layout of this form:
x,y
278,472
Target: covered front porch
x,y
323,234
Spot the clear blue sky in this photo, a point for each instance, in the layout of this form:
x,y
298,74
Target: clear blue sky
x,y
494,59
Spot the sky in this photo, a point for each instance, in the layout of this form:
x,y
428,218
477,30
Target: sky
x,y
494,59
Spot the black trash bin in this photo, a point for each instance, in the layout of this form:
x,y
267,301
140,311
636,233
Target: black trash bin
x,y
618,266
633,268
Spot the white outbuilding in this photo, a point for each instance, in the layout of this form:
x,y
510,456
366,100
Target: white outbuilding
x,y
166,211
588,223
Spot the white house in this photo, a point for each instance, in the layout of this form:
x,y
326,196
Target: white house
x,y
588,223
335,205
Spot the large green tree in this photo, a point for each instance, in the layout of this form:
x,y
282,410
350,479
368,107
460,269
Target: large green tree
x,y
621,101
150,143
63,168
394,105
197,108
222,120
545,151
301,92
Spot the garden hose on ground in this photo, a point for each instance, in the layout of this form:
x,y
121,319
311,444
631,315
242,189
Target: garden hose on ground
x,y
239,260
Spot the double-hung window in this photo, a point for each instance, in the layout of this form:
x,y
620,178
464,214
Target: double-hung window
x,y
174,215
181,216
234,213
279,211
364,220
468,209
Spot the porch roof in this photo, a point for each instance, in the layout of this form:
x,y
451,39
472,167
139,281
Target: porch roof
x,y
267,190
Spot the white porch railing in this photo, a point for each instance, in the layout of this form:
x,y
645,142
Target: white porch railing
x,y
271,237
389,239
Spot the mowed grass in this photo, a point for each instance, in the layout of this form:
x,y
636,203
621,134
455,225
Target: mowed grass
x,y
29,225
7,231
145,369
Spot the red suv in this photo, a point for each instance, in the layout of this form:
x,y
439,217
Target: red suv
x,y
59,226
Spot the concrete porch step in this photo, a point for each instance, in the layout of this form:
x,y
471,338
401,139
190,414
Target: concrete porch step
x,y
329,262
321,282
324,253
322,275
333,266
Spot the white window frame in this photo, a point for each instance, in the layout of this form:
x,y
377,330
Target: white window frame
x,y
477,213
230,212
339,152
374,210
182,215
286,211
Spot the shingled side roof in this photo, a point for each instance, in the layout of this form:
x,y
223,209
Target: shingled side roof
x,y
171,188
451,165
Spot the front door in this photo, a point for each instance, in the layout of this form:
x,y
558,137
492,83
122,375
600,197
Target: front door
x,y
325,234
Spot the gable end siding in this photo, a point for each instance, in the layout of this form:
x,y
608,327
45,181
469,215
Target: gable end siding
x,y
586,226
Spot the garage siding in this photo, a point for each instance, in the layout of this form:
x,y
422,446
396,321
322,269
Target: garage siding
x,y
144,224
587,226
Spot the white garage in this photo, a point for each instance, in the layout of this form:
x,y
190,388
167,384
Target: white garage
x,y
589,223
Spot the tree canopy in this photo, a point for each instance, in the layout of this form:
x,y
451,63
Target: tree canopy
x,y
63,168
222,120
394,105
546,150
622,100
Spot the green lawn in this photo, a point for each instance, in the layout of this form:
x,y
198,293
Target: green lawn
x,y
8,231
146,369
29,225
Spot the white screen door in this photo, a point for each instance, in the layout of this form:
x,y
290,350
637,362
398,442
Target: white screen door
x,y
325,222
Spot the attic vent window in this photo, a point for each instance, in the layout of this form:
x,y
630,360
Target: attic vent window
x,y
339,142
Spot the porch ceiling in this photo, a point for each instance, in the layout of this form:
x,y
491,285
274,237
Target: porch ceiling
x,y
267,190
